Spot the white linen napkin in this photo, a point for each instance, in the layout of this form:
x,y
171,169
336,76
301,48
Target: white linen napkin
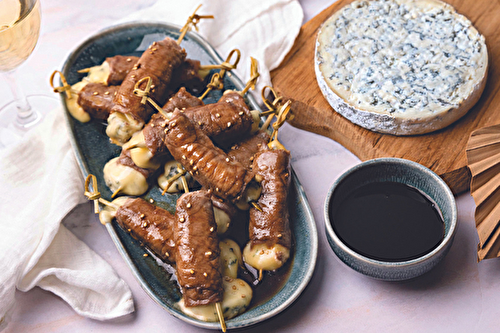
x,y
265,30
40,181
41,184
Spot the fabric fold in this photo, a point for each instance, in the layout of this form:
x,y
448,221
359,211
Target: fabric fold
x,y
41,184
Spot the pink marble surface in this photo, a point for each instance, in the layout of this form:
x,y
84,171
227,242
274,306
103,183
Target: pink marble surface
x,y
459,295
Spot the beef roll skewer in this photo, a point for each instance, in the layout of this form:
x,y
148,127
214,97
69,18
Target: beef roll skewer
x,y
269,227
197,252
112,71
151,225
209,165
269,230
156,63
148,144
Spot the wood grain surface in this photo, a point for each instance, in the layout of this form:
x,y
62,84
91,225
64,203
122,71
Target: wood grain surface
x,y
442,151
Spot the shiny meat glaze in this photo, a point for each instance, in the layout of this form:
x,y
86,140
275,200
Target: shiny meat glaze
x,y
152,225
157,62
208,164
119,66
97,99
128,103
271,226
186,75
154,131
126,159
181,100
245,150
224,122
197,250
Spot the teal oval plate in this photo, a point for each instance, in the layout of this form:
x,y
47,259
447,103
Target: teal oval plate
x,y
93,149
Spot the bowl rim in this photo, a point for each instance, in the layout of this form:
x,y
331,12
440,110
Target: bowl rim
x,y
448,237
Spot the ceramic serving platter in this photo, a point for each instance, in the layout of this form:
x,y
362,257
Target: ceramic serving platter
x,y
93,150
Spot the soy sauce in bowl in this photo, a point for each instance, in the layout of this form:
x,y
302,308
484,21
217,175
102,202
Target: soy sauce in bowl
x,y
388,221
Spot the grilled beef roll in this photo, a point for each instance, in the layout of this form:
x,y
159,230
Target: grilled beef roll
x,y
209,165
197,250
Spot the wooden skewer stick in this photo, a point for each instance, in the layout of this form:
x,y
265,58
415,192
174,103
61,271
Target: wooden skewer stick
x,y
272,107
64,88
185,184
280,120
260,275
144,94
84,70
254,75
226,66
215,83
220,314
95,195
172,179
115,193
192,22
267,122
256,206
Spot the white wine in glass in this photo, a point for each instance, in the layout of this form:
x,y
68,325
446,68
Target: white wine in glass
x,y
19,32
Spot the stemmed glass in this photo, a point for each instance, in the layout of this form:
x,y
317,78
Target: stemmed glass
x,y
19,31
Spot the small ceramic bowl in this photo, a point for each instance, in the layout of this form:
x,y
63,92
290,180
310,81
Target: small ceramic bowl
x,y
402,171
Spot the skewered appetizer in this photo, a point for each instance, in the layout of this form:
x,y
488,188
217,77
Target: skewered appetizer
x,y
208,164
112,71
157,63
270,236
197,250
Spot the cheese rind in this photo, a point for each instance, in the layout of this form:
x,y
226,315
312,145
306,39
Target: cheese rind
x,y
402,67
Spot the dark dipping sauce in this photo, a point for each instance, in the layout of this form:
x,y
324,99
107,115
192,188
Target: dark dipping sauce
x,y
387,221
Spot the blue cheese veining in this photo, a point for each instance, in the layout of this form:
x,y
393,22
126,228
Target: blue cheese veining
x,y
401,66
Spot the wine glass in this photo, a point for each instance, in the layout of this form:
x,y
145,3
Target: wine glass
x,y
19,31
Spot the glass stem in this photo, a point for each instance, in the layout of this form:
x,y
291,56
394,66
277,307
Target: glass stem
x,y
24,111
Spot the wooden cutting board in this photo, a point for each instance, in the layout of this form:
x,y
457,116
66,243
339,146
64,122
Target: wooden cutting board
x,y
442,151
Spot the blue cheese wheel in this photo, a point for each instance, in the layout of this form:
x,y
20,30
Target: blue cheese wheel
x,y
402,67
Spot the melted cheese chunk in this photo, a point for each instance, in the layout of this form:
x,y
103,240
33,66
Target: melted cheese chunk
x,y
143,158
99,74
107,214
230,257
252,193
139,152
121,127
170,171
72,103
137,140
123,178
235,300
222,219
265,258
